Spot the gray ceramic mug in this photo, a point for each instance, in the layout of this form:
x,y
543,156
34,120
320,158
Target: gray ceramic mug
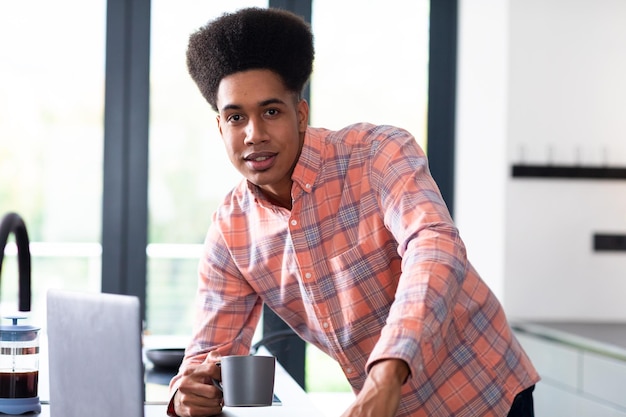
x,y
247,381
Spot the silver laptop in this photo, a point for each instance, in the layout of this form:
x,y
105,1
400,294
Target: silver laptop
x,y
94,348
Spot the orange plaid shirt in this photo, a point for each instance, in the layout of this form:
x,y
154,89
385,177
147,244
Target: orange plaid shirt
x,y
367,265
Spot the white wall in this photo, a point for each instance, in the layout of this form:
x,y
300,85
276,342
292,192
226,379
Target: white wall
x,y
542,81
481,167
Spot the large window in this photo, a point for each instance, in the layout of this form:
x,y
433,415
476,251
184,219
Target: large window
x,y
51,112
371,63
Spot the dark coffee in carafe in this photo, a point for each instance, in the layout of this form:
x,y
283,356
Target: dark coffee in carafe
x,y
18,384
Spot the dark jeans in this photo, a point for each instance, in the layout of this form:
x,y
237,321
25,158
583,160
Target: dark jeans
x,y
523,404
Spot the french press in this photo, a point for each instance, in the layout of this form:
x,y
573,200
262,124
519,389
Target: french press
x,y
19,368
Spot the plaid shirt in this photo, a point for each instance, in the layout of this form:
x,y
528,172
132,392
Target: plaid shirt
x,y
367,265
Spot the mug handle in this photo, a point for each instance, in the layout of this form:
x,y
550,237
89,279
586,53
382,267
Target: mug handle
x,y
217,384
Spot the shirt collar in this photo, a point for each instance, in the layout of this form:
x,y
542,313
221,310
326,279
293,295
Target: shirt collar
x,y
310,162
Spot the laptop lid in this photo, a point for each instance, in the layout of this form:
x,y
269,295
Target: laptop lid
x,y
94,354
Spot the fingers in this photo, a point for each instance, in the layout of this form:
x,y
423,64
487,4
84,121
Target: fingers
x,y
196,398
196,404
196,395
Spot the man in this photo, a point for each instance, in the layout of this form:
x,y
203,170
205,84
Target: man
x,y
346,237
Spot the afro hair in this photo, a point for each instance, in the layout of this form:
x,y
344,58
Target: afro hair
x,y
251,38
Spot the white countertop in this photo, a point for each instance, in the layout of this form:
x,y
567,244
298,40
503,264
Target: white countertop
x,y
605,338
295,401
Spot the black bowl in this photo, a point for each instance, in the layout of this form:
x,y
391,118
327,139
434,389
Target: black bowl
x,y
166,358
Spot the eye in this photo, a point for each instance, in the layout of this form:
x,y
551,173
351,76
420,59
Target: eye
x,y
272,112
234,118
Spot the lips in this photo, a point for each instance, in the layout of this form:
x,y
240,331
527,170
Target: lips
x,y
260,161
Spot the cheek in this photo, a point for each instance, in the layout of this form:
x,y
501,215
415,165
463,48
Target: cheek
x,y
229,145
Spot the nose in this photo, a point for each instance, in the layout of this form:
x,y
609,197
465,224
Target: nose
x,y
255,131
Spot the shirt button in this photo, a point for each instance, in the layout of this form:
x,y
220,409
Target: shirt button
x,y
307,275
325,325
308,186
349,370
294,222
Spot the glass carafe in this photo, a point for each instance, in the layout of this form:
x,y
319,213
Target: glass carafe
x,y
19,368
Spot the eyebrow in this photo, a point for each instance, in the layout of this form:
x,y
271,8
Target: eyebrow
x,y
263,103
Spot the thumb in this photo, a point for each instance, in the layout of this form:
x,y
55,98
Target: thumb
x,y
211,366
212,357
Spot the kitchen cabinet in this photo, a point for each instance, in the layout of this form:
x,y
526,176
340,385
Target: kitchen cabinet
x,y
582,376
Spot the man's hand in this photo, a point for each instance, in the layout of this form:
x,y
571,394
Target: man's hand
x,y
380,395
196,395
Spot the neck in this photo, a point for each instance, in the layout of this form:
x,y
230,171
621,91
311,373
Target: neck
x,y
278,200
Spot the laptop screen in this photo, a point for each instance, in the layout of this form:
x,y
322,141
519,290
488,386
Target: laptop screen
x,y
95,361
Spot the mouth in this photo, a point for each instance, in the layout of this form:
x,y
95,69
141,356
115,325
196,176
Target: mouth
x,y
260,161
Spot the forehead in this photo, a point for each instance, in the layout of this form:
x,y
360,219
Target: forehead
x,y
251,87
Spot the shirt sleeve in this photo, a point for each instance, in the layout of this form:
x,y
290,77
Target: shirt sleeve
x,y
434,261
227,308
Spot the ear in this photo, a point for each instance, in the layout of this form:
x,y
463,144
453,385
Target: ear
x,y
303,115
218,119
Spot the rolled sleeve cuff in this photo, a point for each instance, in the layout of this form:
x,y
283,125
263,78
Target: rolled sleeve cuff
x,y
398,343
170,407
